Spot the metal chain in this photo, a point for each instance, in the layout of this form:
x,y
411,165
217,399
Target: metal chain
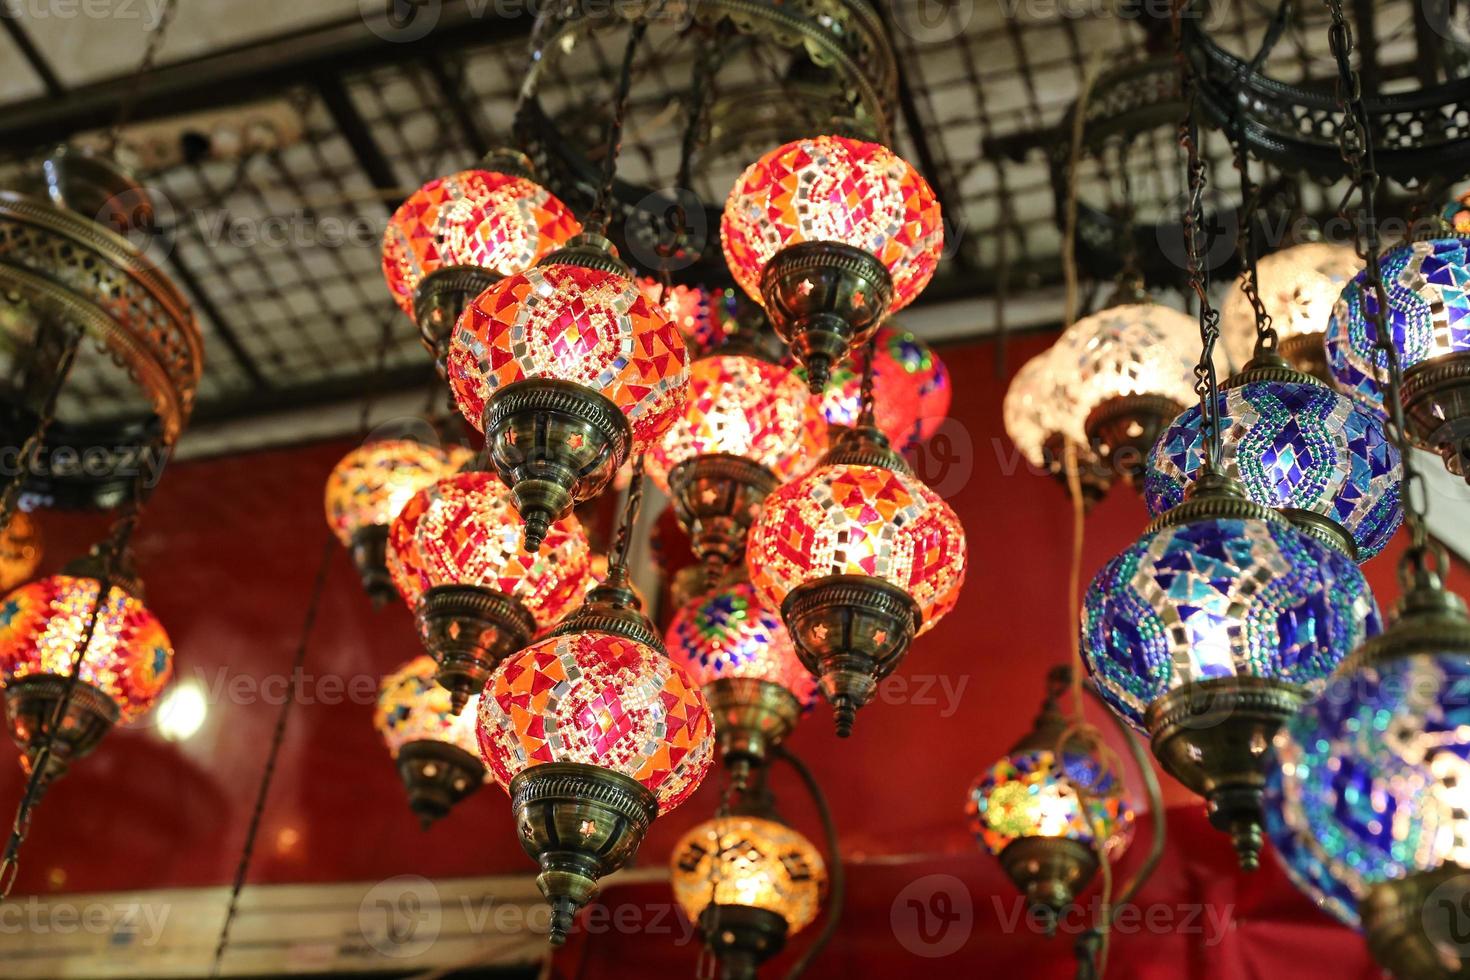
x,y
867,406
1128,244
135,89
601,215
110,553
273,754
707,61
1250,283
634,502
1206,384
11,495
1356,146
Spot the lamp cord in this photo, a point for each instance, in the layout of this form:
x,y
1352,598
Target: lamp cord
x,y
278,737
837,877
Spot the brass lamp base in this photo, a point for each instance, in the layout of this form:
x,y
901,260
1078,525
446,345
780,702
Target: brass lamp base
x,y
612,607
1323,529
751,718
1124,431
717,498
825,298
437,775
1436,396
1094,477
1307,353
1049,871
468,631
742,937
578,822
1413,928
850,631
369,547
439,300
555,444
1212,736
30,704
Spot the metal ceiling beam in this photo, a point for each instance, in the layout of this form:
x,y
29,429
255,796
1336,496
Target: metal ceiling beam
x,y
451,90
32,54
359,136
222,329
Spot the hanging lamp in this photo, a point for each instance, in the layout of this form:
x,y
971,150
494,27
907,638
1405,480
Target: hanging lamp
x,y
911,391
1031,415
434,746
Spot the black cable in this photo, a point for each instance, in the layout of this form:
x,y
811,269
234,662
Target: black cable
x,y
836,877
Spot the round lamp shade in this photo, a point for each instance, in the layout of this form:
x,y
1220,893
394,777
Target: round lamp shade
x,y
413,707
751,862
730,632
20,550
1032,794
1298,286
911,391
372,483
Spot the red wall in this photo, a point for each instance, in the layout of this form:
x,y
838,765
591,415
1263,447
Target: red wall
x,y
229,549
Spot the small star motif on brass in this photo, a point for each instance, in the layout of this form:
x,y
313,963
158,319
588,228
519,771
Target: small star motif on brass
x,y
805,287
880,636
710,495
820,632
859,300
588,828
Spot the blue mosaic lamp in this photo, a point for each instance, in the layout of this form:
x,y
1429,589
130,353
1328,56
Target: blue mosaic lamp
x,y
1294,444
1368,806
1428,316
1211,630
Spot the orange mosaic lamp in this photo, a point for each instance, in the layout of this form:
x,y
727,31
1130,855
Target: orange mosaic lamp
x,y
454,552
593,734
705,315
125,667
366,490
910,387
860,557
746,427
567,368
436,750
456,235
20,550
831,235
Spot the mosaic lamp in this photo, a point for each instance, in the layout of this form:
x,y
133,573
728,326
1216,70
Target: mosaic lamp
x,y
456,557
20,550
705,315
435,748
1367,805
1033,421
366,490
1211,630
593,734
1124,373
125,667
1298,286
831,235
1428,287
860,557
456,236
1047,809
749,882
737,649
1291,443
747,426
910,385
567,368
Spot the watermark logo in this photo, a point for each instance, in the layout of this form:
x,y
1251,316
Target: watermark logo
x,y
400,21
400,917
933,916
1446,918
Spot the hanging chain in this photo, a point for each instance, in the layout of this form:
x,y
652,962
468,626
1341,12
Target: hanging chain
x,y
1356,145
11,495
110,553
707,61
1205,385
145,66
1250,281
618,559
867,404
601,215
1127,244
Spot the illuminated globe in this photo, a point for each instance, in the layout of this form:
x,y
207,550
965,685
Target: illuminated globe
x,y
412,707
751,862
1298,287
730,632
1218,598
1295,447
742,406
1027,794
600,700
704,315
911,391
20,550
372,483
1428,287
1030,409
498,222
834,189
129,659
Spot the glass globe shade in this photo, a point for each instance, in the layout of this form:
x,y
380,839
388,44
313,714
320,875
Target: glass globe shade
x,y
20,550
742,406
752,862
911,392
704,315
1031,794
730,632
846,519
600,700
1428,287
1373,778
1128,349
463,530
572,323
1219,598
412,707
129,659
498,222
1291,446
1030,408
1298,286
372,483
834,189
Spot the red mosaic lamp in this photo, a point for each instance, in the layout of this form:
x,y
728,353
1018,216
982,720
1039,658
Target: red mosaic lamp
x,y
455,555
436,750
366,490
456,236
125,667
567,368
747,426
831,235
911,390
